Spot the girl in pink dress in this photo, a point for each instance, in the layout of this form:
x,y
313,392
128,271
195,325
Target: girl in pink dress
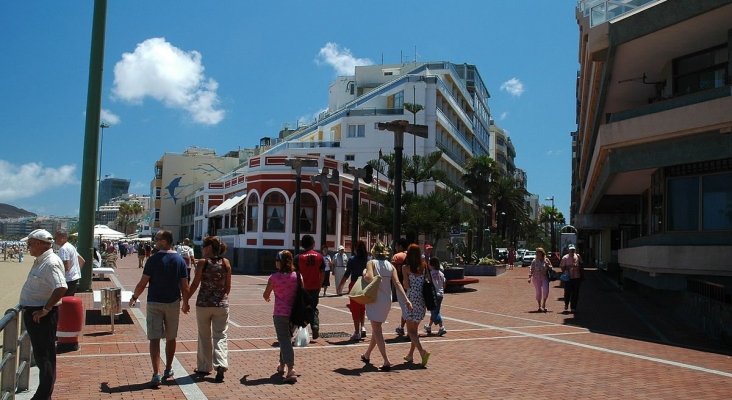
x,y
284,284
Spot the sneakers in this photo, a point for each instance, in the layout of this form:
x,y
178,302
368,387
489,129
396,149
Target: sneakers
x,y
363,333
155,381
399,331
168,373
442,332
356,337
428,329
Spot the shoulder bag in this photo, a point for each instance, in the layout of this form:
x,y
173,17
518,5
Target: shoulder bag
x,y
428,292
302,310
364,292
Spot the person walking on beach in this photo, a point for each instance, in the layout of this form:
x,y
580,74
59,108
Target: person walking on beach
x,y
378,311
166,274
572,264
340,259
73,261
311,265
213,274
413,282
39,298
354,269
284,283
537,276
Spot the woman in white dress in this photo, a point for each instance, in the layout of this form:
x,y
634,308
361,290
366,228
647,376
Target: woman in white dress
x,y
379,310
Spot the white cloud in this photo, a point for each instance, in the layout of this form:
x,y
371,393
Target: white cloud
x,y
109,117
170,75
503,115
513,86
340,59
28,180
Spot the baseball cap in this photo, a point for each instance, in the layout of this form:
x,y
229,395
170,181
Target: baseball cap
x,y
570,247
341,247
39,234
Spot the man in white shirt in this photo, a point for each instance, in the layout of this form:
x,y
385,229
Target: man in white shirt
x,y
340,259
39,299
73,262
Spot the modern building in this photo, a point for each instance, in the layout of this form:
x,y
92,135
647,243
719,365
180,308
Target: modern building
x,y
107,213
252,208
652,155
110,188
178,175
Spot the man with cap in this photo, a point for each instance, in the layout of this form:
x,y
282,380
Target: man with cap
x,y
39,298
73,262
572,264
340,259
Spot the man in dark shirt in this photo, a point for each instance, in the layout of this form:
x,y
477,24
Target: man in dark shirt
x,y
167,274
311,265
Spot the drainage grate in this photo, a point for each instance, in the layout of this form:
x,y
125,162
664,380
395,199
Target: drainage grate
x,y
334,334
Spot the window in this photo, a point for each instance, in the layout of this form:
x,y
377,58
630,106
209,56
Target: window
x,y
274,211
356,131
253,214
683,203
350,157
399,100
717,202
308,215
700,71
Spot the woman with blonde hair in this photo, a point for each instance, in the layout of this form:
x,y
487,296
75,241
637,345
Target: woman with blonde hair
x,y
413,283
379,310
284,283
213,274
537,275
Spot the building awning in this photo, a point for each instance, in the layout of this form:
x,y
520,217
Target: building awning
x,y
226,206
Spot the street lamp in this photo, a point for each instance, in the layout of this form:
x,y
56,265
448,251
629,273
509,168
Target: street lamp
x,y
554,211
102,126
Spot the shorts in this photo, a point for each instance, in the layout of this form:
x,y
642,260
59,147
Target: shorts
x,y
162,320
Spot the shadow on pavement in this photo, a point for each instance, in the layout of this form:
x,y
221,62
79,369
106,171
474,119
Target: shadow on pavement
x,y
274,379
105,388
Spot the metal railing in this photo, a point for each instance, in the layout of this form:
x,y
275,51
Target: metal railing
x,y
16,361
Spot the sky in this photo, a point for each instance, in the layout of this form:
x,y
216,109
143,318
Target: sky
x,y
223,74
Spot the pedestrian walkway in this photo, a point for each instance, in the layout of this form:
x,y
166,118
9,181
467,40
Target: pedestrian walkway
x,y
497,347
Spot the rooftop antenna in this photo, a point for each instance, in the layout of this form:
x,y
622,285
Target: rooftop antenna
x,y
415,53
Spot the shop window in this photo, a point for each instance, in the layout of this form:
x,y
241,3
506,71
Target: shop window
x,y
274,211
308,214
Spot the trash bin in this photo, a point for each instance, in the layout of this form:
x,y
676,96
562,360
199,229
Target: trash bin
x,y
111,303
70,324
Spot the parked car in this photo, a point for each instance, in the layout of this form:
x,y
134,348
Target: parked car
x,y
528,257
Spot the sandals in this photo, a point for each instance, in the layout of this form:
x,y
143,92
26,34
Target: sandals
x,y
290,378
199,372
365,360
281,369
385,368
219,374
425,358
408,359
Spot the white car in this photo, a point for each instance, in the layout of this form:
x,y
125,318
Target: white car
x,y
528,257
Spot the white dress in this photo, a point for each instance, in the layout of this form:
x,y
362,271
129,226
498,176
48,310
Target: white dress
x,y
379,310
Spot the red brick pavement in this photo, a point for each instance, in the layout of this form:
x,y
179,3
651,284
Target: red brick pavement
x,y
497,346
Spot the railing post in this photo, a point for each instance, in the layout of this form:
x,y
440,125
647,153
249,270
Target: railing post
x,y
25,357
10,350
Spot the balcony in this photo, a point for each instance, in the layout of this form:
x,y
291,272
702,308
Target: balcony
x,y
374,111
672,103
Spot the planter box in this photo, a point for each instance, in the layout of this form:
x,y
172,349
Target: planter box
x,y
454,273
484,270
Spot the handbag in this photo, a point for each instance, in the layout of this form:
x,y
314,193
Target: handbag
x,y
428,292
302,310
551,274
364,292
564,277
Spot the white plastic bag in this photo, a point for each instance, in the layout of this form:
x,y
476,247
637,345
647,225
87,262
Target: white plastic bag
x,y
302,338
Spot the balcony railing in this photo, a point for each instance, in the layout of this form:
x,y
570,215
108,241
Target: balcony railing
x,y
669,104
601,11
374,111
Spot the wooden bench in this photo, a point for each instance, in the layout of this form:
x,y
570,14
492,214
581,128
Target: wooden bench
x,y
456,285
100,273
126,297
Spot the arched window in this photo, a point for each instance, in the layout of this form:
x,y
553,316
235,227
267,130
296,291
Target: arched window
x,y
308,214
274,212
253,213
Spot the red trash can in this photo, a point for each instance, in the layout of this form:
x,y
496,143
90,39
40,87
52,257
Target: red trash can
x,y
70,322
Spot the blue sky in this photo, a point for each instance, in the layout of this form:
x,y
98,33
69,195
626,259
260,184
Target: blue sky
x,y
240,70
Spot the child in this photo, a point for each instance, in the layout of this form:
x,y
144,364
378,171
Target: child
x,y
438,279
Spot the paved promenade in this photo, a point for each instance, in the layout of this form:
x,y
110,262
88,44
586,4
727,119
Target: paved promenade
x,y
497,347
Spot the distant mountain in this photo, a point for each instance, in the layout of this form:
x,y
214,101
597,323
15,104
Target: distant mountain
x,y
8,211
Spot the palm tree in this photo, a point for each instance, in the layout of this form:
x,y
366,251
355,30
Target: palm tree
x,y
414,109
509,203
480,174
128,213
